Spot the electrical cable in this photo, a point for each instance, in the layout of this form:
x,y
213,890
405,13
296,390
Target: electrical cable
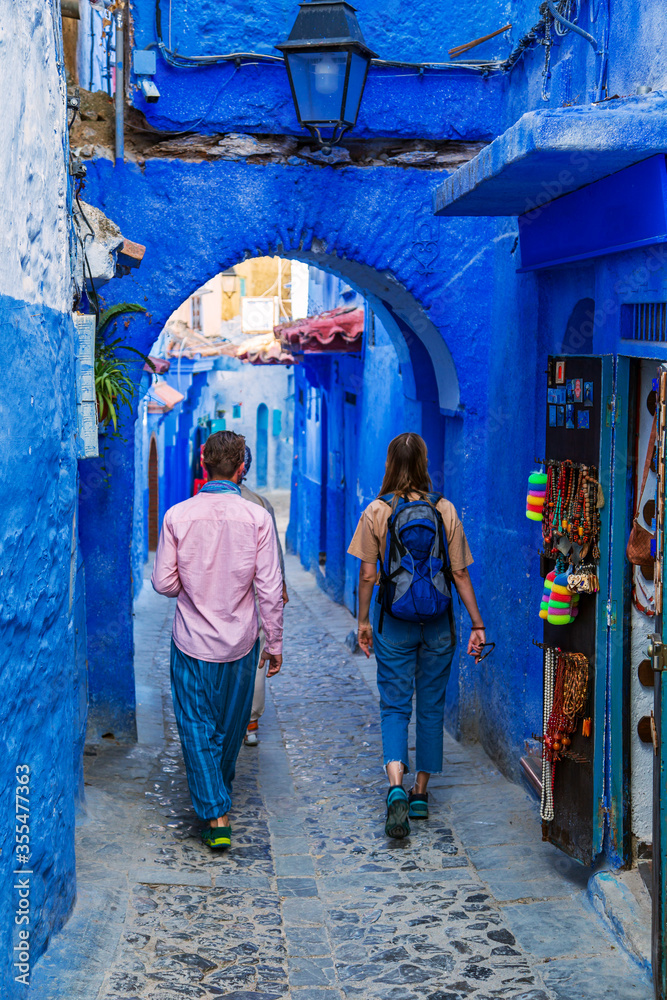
x,y
191,128
191,62
83,215
567,12
570,25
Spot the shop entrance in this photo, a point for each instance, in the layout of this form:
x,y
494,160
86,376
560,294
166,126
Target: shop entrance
x,y
610,781
575,661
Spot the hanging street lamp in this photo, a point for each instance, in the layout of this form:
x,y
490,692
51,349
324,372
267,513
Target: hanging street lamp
x,y
327,63
228,281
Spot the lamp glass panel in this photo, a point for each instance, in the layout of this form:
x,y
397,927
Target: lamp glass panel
x,y
319,80
228,283
355,87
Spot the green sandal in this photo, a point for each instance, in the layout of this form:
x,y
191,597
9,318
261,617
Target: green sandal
x,y
397,825
218,838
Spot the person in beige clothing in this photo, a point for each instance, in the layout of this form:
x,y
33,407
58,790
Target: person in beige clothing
x,y
412,631
251,738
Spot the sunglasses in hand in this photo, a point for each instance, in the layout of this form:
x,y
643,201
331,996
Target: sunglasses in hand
x,y
479,651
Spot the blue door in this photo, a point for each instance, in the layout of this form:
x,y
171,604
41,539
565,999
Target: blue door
x,y
262,444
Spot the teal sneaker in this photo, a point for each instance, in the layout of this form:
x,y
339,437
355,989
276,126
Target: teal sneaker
x,y
397,825
418,805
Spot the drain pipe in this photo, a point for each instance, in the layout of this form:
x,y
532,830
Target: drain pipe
x,y
120,88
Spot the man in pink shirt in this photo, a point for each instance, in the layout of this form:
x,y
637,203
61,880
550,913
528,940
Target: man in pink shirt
x,y
217,550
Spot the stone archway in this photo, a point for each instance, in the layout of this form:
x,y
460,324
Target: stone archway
x,y
374,228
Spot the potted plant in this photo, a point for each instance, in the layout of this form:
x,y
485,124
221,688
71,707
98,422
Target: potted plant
x,y
114,385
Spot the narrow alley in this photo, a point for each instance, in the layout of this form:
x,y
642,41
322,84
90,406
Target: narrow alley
x,y
313,902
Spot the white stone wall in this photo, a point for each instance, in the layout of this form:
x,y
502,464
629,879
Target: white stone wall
x,y
34,253
641,754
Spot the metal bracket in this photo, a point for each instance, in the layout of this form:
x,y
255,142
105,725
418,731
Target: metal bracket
x,y
657,652
613,410
612,617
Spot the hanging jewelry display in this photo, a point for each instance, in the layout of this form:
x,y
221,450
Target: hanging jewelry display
x,y
566,677
584,579
571,533
547,803
571,511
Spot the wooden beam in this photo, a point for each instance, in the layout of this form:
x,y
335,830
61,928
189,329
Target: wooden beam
x,y
460,49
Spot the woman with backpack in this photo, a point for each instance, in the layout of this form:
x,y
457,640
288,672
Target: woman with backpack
x,y
418,540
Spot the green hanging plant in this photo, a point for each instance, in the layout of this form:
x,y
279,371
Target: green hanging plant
x,y
114,385
107,316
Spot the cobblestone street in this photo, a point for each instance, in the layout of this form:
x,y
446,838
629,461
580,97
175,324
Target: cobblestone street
x,y
313,902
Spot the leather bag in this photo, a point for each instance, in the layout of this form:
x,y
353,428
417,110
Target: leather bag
x,y
638,549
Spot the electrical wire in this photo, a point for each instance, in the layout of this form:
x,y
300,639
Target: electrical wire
x,y
570,25
167,135
570,10
190,62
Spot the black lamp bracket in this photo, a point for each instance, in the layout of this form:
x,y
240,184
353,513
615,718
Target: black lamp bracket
x,y
326,143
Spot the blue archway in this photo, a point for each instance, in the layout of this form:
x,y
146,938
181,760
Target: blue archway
x,y
373,228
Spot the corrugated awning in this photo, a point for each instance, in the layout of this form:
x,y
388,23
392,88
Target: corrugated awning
x,y
266,353
338,331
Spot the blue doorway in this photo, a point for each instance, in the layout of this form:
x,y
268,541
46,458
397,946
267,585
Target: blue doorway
x,y
262,444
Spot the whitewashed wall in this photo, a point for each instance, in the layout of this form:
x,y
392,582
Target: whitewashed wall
x,y
34,254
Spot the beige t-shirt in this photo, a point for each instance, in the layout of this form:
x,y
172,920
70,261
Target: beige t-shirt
x,y
368,543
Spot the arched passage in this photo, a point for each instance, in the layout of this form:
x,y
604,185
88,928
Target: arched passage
x,y
198,219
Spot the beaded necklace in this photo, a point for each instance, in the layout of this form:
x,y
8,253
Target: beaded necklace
x,y
570,692
572,508
547,803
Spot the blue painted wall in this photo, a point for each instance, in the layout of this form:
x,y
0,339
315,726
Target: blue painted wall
x,y
255,97
42,716
106,513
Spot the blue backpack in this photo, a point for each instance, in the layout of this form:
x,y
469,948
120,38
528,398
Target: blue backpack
x,y
415,574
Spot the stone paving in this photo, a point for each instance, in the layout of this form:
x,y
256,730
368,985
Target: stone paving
x,y
313,902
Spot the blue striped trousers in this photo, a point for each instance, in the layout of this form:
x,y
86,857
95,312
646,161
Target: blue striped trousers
x,y
212,704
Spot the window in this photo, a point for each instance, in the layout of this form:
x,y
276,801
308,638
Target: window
x,y
236,411
277,423
195,303
644,321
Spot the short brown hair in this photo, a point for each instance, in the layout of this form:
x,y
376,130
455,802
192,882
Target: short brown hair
x,y
406,470
224,452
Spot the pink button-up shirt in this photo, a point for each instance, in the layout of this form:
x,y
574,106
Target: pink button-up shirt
x,y
212,549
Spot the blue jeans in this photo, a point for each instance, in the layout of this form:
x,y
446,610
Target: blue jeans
x,y
412,657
